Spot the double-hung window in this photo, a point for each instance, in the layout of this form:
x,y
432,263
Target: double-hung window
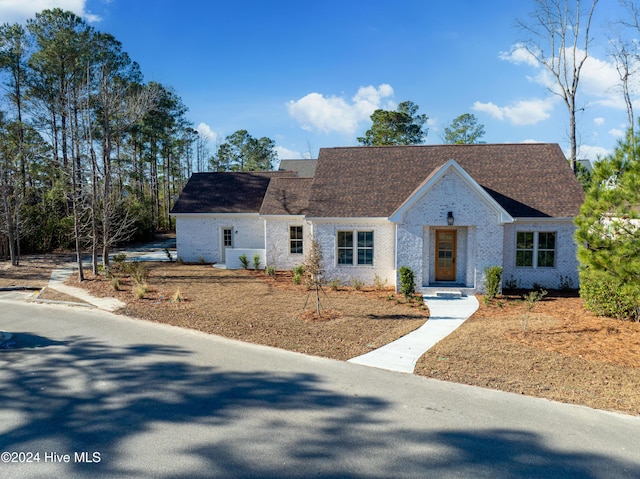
x,y
295,240
535,249
355,247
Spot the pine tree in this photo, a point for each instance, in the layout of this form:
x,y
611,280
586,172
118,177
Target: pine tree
x,y
608,234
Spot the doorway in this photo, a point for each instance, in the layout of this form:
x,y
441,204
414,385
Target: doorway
x,y
446,255
227,242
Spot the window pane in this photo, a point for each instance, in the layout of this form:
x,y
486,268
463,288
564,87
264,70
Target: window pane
x,y
365,256
524,241
546,259
365,239
296,247
345,256
296,232
524,258
345,239
547,241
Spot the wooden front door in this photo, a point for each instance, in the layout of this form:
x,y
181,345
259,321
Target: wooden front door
x,y
445,255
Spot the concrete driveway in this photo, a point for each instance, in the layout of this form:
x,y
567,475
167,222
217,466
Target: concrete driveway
x,y
97,395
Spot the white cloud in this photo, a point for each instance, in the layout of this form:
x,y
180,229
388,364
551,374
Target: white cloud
x,y
20,10
616,133
599,121
591,152
599,79
523,112
519,55
327,114
287,154
206,131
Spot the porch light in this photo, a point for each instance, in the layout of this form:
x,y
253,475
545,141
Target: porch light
x,y
450,218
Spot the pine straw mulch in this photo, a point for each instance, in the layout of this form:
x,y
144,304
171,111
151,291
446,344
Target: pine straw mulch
x,y
566,354
253,307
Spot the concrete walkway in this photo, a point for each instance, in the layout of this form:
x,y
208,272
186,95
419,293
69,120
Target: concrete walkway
x,y
57,282
446,314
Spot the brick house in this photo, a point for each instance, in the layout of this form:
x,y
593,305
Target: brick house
x,y
446,211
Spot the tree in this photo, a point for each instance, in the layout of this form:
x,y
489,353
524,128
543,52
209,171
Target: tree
x,y
560,36
14,48
608,234
242,152
86,148
464,130
404,126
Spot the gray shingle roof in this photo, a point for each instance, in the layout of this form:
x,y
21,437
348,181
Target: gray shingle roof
x,y
304,168
526,179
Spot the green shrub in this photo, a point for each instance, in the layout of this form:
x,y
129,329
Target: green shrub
x,y
357,284
407,281
119,259
256,261
492,280
530,300
606,295
334,284
138,271
298,273
270,270
245,262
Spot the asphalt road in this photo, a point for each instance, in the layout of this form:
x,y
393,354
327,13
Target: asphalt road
x,y
88,394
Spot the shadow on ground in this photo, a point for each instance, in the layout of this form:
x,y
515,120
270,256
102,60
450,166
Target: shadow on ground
x,y
80,394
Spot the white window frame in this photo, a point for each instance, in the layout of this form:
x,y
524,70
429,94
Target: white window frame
x,y
355,248
296,240
537,250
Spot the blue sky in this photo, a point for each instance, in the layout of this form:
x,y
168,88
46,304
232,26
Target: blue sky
x,y
309,74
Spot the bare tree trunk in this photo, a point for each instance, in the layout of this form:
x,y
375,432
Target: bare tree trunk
x,y
560,43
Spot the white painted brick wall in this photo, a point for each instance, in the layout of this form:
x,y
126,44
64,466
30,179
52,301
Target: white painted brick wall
x,y
566,261
198,237
277,234
480,233
383,252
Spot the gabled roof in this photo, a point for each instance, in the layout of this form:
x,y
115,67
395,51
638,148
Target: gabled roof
x,y
239,192
434,178
525,179
287,196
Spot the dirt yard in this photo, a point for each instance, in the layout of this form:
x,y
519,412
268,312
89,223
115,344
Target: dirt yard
x,y
566,353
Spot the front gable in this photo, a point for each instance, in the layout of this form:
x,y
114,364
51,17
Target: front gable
x,y
449,196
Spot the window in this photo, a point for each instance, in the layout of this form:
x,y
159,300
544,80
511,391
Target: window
x,y
535,250
360,250
524,249
295,240
546,250
345,247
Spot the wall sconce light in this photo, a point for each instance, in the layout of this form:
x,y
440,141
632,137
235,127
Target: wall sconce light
x,y
450,218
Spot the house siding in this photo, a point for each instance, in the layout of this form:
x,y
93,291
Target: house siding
x,y
383,252
198,237
479,238
565,269
277,248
